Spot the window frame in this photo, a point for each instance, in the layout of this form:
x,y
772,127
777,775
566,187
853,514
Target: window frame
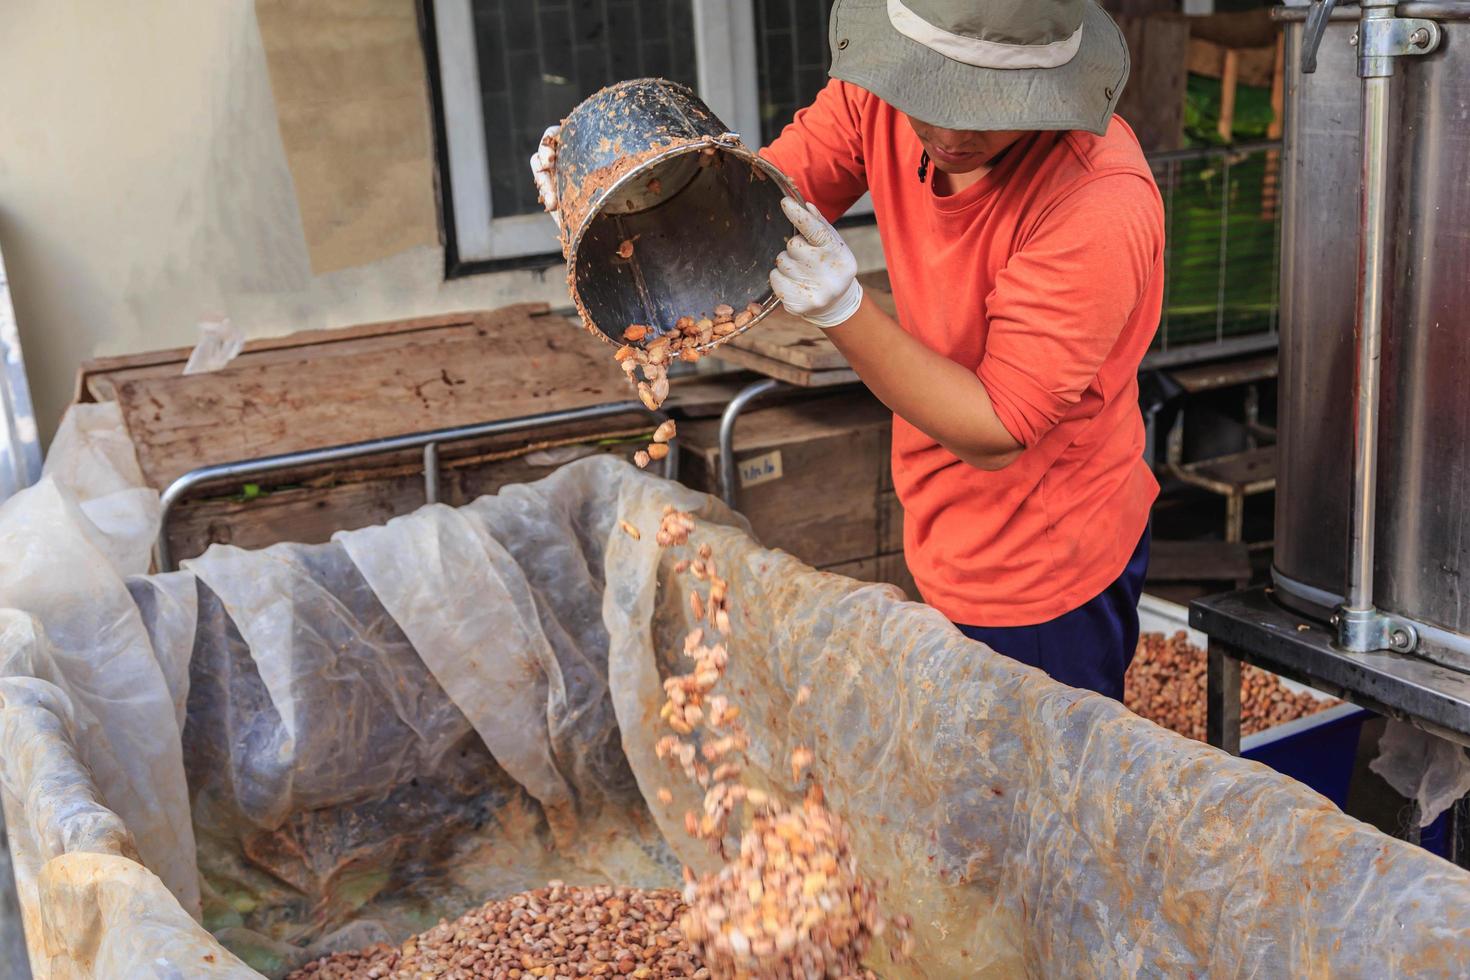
x,y
727,79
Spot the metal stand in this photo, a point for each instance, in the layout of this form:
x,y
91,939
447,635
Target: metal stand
x,y
1382,38
429,442
746,395
1249,627
1222,698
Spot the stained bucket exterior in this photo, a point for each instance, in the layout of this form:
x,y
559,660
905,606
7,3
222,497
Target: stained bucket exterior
x,y
665,213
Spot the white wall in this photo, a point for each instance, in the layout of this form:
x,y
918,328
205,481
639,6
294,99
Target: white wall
x,y
143,183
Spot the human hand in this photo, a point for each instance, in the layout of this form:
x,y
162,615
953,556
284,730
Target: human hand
x,y
543,172
816,276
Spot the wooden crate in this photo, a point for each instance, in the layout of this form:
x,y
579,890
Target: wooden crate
x,y
816,477
329,387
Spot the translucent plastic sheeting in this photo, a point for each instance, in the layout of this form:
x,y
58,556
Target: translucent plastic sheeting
x,y
399,724
65,544
1432,771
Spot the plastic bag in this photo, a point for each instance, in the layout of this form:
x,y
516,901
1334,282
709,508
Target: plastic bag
x,y
403,722
219,342
1432,771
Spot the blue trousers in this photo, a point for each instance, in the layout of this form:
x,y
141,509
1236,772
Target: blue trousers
x,y
1089,647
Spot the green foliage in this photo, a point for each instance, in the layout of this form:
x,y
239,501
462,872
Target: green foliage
x,y
1221,248
1202,112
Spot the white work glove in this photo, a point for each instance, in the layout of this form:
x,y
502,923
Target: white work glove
x,y
543,172
816,277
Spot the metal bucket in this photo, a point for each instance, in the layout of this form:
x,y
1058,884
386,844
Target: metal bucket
x,y
665,213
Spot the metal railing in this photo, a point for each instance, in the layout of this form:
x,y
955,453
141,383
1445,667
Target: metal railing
x,y
427,442
1222,249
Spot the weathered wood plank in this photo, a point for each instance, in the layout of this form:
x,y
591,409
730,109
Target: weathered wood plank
x,y
797,345
1237,29
345,393
890,521
93,377
783,371
1153,100
791,340
1254,66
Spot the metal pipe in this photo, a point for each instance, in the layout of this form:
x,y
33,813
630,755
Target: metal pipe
x,y
1222,697
431,473
1372,249
309,457
732,412
1439,10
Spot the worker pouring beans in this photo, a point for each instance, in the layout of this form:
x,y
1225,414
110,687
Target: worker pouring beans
x,y
1023,234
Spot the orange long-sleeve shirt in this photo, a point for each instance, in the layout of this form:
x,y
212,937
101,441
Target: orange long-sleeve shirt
x,y
1046,279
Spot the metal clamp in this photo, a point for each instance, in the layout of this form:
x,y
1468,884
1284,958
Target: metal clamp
x,y
1366,630
1382,37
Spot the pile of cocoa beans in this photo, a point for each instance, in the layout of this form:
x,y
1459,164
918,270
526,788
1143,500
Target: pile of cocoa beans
x,y
648,353
556,931
1166,685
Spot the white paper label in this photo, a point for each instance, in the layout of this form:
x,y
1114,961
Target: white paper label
x,y
760,469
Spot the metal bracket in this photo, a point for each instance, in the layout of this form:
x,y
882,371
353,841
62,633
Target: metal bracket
x,y
1381,39
1366,630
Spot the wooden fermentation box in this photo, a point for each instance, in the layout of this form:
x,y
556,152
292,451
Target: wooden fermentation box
x,y
814,480
330,387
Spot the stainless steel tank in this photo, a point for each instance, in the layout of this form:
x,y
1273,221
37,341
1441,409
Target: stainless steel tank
x,y
1422,556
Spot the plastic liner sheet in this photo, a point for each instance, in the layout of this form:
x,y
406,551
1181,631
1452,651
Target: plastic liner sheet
x,y
408,720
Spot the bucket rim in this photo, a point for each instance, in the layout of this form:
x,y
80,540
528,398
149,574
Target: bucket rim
x,y
730,143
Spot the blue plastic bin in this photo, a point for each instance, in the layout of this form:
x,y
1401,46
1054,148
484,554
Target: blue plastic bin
x,y
1319,750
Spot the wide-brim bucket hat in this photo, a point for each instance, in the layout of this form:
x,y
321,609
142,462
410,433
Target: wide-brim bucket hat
x,y
984,64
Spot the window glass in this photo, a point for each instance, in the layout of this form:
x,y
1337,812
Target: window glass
x,y
539,58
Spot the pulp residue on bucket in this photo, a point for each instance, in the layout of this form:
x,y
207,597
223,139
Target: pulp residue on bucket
x,y
665,212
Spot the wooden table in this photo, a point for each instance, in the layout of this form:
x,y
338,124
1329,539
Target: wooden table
x,y
789,352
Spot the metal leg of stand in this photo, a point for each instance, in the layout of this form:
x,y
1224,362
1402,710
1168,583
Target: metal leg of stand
x,y
1458,832
1222,698
431,473
732,412
671,461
